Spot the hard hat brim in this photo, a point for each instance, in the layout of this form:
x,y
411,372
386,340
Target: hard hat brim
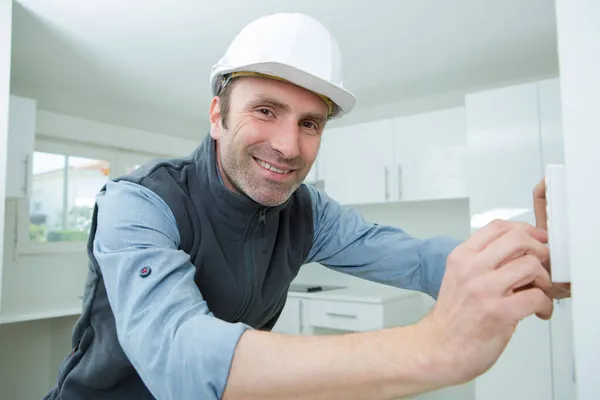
x,y
343,99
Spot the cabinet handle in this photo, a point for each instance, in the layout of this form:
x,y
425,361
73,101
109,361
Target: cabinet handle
x,y
351,316
386,174
399,180
26,182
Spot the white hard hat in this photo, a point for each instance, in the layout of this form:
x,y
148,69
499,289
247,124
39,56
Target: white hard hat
x,y
289,46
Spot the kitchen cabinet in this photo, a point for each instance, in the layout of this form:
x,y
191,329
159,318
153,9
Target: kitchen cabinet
x,y
513,132
364,314
410,158
315,175
349,310
504,159
21,141
429,155
504,165
357,162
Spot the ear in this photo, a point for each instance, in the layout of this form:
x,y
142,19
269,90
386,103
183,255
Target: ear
x,y
215,118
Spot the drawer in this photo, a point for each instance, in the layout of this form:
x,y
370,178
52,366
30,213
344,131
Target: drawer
x,y
363,316
345,315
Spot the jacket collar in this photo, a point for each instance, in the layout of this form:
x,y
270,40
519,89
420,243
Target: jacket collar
x,y
236,208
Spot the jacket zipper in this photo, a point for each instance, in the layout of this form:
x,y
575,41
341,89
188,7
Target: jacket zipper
x,y
248,257
262,223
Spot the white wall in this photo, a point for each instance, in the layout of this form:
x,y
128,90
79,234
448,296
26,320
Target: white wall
x,y
366,112
5,56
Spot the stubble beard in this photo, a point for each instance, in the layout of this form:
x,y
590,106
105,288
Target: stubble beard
x,y
239,171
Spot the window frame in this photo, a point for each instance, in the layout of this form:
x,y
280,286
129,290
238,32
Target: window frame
x,y
119,159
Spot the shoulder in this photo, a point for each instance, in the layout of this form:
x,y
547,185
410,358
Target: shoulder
x,y
324,207
126,207
157,167
127,195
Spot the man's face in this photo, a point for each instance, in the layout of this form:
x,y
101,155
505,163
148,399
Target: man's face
x,y
270,139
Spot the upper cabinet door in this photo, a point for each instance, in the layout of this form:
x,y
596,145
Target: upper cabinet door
x,y
21,141
429,155
357,162
505,160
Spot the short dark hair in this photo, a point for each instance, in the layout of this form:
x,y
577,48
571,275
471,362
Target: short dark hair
x,y
225,98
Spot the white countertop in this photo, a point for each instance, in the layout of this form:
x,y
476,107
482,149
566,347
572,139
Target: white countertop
x,y
379,294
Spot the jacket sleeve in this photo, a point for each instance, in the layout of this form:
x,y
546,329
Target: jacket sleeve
x,y
177,346
345,242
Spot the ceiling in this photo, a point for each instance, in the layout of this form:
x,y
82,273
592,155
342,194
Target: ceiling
x,y
145,64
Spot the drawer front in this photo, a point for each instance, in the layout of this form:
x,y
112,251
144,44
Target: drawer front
x,y
345,315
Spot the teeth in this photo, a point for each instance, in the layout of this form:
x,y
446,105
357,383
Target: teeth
x,y
272,168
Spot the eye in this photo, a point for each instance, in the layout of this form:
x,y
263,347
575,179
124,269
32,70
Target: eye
x,y
310,125
265,111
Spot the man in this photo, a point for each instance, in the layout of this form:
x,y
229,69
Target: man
x,y
191,259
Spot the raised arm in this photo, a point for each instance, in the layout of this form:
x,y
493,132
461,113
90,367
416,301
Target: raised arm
x,y
345,242
476,314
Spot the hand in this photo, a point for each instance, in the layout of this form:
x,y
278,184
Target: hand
x,y
559,290
482,299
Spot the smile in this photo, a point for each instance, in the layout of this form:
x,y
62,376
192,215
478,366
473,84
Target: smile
x,y
269,167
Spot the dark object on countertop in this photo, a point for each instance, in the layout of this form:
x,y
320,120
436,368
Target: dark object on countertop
x,y
298,287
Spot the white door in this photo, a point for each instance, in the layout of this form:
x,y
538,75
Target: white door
x,y
579,57
358,161
561,328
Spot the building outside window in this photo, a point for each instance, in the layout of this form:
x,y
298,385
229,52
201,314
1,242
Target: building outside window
x,y
64,190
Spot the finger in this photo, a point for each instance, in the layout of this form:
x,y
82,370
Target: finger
x,y
539,204
512,245
492,231
525,271
528,302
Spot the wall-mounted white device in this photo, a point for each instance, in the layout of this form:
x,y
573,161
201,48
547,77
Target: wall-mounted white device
x,y
558,232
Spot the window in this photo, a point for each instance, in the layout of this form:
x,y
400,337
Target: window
x,y
66,177
64,190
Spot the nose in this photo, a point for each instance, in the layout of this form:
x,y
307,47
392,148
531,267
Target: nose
x,y
285,140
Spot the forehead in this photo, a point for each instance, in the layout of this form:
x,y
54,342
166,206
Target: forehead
x,y
248,89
